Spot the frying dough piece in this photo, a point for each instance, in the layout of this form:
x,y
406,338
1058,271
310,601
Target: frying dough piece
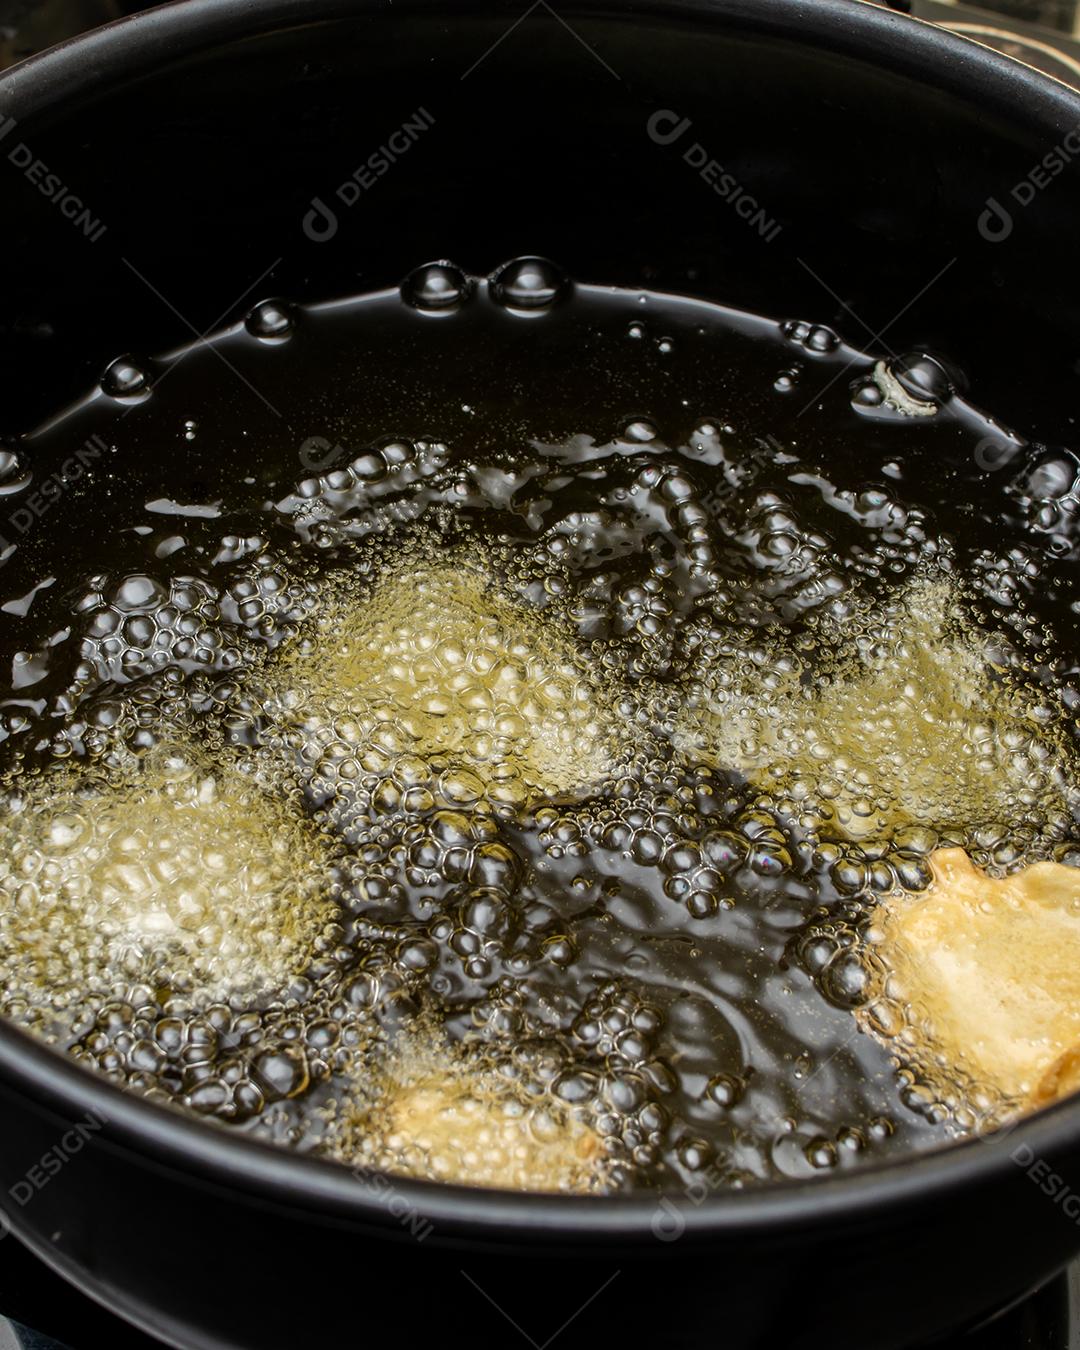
x,y
904,718
992,969
178,870
435,1116
432,673
450,1131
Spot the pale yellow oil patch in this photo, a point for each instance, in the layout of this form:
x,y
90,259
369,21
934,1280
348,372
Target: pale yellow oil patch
x,y
901,719
179,870
433,1115
432,676
990,971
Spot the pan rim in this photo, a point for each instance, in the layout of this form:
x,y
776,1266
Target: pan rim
x,y
136,46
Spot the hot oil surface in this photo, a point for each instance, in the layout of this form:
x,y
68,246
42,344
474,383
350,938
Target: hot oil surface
x,y
506,704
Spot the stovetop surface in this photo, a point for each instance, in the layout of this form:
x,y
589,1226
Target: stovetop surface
x,y
31,1296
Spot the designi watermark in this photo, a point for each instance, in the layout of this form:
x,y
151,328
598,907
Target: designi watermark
x,y
1051,1183
50,490
317,454
321,222
51,186
668,1221
996,452
996,221
53,1161
666,127
385,1193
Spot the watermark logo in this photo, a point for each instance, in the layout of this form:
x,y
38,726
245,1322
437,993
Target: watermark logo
x,y
997,221
51,186
1051,1183
667,127
996,452
322,220
668,1224
53,1161
380,1187
317,453
48,493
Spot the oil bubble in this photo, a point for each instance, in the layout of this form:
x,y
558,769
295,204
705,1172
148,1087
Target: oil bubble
x,y
923,377
271,321
436,287
126,379
529,284
15,473
815,338
640,430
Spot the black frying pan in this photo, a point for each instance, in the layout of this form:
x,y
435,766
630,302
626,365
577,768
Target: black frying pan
x,y
196,138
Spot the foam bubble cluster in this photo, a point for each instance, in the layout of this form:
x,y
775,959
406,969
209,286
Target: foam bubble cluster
x,y
445,689
178,869
430,1113
887,715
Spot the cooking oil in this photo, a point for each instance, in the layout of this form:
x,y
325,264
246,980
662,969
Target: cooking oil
x,y
468,729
